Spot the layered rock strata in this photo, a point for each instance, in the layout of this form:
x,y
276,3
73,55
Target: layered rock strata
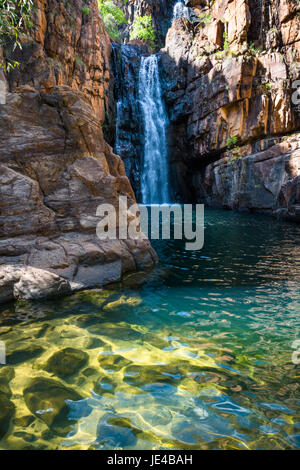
x,y
230,87
55,166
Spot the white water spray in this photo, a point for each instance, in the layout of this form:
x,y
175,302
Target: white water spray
x,y
180,10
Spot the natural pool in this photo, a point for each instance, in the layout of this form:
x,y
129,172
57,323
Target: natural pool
x,y
196,354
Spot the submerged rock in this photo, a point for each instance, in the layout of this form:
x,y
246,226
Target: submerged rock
x,y
105,385
113,362
46,399
22,352
139,375
24,421
66,362
6,375
7,408
7,411
115,433
115,332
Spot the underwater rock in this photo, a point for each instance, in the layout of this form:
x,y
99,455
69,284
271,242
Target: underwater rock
x,y
5,329
113,362
121,301
155,340
6,375
46,399
105,386
66,362
22,352
115,332
139,375
24,421
94,343
89,371
115,432
25,436
7,411
7,408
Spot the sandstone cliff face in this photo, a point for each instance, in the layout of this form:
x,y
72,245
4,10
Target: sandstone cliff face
x,y
228,85
55,166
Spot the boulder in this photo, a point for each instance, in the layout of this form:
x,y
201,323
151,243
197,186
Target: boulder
x,y
17,353
7,408
47,400
66,362
36,284
27,283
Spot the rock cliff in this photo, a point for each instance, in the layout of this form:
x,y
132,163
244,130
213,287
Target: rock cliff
x,y
55,166
230,86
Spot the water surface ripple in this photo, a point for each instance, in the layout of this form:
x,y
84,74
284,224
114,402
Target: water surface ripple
x,y
195,354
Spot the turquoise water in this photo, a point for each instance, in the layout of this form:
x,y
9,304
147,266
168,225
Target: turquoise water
x,y
195,354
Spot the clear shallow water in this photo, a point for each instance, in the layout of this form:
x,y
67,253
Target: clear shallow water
x,y
196,354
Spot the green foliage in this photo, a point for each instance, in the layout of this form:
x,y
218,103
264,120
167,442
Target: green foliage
x,y
226,41
231,141
107,7
142,29
111,27
14,20
204,18
268,86
112,17
79,61
85,10
253,50
233,149
235,154
210,3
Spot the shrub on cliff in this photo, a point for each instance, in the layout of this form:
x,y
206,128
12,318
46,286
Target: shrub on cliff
x,y
113,17
14,19
142,29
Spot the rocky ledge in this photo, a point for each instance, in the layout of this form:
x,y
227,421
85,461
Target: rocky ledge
x,y
26,283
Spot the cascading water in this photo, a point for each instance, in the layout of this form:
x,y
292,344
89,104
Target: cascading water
x,y
119,115
126,139
180,10
154,178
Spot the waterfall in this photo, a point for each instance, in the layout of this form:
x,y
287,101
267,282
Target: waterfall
x,y
119,116
127,141
180,10
154,177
